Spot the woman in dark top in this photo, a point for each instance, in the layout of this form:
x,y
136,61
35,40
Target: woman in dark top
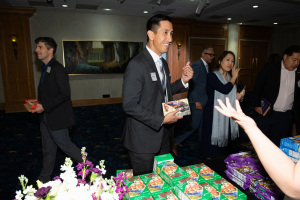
x,y
219,130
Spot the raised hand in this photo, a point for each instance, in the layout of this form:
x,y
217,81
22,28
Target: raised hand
x,y
187,72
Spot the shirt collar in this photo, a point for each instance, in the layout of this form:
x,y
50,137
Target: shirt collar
x,y
153,54
204,62
44,67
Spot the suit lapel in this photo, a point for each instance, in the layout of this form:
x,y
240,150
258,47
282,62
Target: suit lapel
x,y
152,69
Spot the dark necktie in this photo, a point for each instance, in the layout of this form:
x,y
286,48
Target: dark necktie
x,y
163,79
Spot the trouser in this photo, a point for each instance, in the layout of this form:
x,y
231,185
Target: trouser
x,y
194,126
276,126
50,141
142,163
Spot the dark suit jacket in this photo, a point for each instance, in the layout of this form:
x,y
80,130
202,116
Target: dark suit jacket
x,y
267,85
197,85
142,102
56,97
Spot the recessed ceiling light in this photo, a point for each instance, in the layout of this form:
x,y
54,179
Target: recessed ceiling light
x,y
65,6
107,9
228,18
275,23
240,23
145,12
255,6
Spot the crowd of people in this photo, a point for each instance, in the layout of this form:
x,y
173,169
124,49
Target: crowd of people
x,y
147,84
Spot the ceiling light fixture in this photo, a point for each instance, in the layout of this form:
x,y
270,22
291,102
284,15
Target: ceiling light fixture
x,y
145,12
202,4
229,18
107,9
64,5
255,6
275,23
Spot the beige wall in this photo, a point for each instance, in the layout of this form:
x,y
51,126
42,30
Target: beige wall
x,y
81,26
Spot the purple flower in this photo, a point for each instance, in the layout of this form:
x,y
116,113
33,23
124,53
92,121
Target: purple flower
x,y
42,192
56,178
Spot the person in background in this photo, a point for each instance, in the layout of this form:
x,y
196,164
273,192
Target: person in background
x,y
278,83
218,131
146,85
197,94
282,170
55,107
273,58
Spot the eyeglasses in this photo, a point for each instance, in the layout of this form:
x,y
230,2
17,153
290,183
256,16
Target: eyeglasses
x,y
210,54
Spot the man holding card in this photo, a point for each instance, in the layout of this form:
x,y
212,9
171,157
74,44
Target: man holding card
x,y
277,83
146,85
55,107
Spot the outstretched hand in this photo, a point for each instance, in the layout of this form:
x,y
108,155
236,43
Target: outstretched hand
x,y
237,115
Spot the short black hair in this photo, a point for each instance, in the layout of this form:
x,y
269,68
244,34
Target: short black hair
x,y
154,22
49,42
292,49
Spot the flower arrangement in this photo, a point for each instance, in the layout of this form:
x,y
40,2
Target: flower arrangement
x,y
91,185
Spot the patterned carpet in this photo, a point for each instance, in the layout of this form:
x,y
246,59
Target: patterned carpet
x,y
98,128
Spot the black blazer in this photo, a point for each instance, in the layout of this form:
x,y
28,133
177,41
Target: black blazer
x,y
56,97
142,102
267,85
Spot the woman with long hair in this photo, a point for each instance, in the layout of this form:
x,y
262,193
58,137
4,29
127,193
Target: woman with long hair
x,y
218,130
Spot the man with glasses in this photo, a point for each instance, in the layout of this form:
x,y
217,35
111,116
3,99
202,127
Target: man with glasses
x,y
197,93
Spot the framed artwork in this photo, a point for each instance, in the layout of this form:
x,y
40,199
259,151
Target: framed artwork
x,y
96,57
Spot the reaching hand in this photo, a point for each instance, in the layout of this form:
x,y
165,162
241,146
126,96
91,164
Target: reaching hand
x,y
237,115
187,73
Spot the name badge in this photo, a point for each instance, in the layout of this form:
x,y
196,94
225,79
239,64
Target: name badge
x,y
153,76
48,69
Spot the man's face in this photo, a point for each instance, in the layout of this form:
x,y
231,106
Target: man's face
x,y
208,55
43,53
162,38
291,62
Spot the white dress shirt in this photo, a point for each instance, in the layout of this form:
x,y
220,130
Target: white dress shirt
x,y
285,97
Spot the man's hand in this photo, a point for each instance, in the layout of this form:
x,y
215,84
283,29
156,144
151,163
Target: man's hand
x,y
187,73
171,117
258,110
198,106
39,109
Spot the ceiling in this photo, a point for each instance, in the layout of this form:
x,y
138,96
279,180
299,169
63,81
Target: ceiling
x,y
284,12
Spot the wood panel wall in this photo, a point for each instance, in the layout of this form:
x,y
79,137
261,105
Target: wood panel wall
x,y
253,52
184,30
17,71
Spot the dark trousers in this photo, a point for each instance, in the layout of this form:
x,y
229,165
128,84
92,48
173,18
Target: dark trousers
x,y
276,126
194,126
142,163
50,141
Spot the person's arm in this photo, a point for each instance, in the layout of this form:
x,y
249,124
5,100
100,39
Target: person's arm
x,y
283,171
214,82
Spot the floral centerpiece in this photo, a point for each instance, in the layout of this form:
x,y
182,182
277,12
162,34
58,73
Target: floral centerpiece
x,y
91,184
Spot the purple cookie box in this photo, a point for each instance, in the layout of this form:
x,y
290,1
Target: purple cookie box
x,y
238,181
244,172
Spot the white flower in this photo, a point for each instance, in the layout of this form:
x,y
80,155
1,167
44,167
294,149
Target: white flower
x,y
54,187
19,195
29,190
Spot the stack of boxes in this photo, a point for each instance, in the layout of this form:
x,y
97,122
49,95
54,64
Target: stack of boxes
x,y
291,147
169,181
246,171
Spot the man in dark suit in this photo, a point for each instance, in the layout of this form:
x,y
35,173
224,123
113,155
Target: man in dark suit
x,y
146,86
197,94
55,107
278,83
